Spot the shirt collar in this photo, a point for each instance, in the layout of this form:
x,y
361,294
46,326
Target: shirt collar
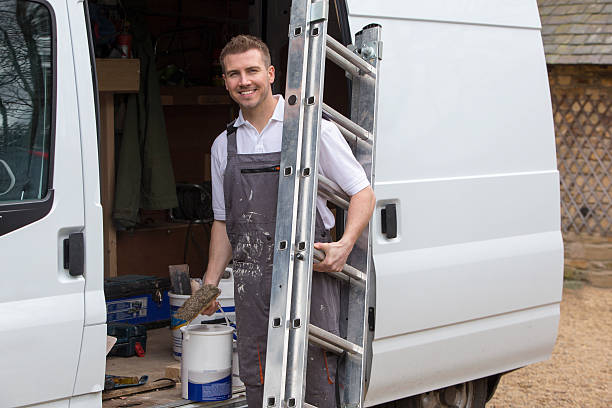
x,y
278,115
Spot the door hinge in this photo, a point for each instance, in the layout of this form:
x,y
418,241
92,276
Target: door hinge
x,y
371,318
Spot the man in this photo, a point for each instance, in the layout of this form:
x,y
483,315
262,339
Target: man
x,y
244,169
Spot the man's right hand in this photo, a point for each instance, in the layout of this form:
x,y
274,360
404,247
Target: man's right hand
x,y
211,309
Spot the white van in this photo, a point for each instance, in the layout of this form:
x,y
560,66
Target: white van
x,y
468,290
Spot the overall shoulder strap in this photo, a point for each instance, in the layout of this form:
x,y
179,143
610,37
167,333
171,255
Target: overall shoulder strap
x,y
231,138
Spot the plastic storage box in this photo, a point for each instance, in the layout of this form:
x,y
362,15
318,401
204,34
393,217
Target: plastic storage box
x,y
137,299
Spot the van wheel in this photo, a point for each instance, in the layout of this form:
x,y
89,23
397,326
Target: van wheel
x,y
472,394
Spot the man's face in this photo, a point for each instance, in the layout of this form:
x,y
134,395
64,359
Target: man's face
x,y
247,78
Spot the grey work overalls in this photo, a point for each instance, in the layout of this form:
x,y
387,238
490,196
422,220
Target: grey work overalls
x,y
250,188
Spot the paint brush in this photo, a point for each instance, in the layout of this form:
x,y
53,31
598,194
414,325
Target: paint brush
x,y
200,300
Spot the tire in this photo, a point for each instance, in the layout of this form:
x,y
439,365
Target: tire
x,y
472,394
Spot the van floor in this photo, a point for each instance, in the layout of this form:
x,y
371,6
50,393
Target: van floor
x,y
157,357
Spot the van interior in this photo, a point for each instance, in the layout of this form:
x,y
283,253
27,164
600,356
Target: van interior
x,y
165,53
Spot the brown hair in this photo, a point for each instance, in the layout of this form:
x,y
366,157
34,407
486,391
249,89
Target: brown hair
x,y
242,43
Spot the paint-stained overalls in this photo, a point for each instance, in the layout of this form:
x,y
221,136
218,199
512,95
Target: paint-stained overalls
x,y
250,188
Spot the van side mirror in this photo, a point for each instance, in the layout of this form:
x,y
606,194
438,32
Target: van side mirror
x,y
7,178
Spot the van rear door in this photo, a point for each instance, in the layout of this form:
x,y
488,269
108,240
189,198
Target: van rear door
x,y
470,284
41,206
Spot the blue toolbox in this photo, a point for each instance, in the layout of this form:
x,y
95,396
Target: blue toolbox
x,y
137,299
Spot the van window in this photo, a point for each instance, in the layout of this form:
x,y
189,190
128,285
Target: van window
x,y
26,100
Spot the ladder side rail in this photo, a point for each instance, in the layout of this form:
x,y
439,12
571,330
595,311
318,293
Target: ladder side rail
x,y
285,376
282,273
306,217
363,113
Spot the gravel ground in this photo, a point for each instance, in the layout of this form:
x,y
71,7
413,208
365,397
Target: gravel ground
x,y
579,374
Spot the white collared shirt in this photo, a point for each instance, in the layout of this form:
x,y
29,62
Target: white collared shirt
x,y
336,161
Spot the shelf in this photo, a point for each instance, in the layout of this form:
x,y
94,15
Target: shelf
x,y
166,226
196,95
120,75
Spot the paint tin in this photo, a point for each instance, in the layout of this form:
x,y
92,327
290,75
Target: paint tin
x,y
225,299
206,364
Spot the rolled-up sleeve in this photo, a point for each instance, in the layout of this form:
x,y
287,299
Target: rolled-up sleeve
x,y
218,162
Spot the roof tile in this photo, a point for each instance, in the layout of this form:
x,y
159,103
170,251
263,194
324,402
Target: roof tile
x,y
550,48
602,49
595,39
576,31
600,19
561,39
565,49
578,39
579,29
562,29
594,8
583,50
568,59
605,59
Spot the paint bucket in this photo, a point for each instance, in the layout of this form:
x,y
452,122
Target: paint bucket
x,y
236,381
176,301
206,364
225,299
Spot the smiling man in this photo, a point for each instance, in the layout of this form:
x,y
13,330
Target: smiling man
x,y
245,169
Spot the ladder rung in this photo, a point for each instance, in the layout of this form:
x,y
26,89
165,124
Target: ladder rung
x,y
334,340
334,192
349,125
346,59
325,345
334,199
347,269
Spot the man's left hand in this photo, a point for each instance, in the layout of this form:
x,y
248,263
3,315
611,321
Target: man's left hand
x,y
336,254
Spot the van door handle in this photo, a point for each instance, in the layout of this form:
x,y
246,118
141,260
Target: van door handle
x,y
388,221
74,254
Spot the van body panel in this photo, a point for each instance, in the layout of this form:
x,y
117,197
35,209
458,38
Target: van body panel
x,y
93,400
512,13
95,305
41,337
466,151
433,359
92,361
467,100
41,304
483,208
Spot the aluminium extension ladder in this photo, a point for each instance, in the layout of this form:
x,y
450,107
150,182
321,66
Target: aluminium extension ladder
x,y
289,330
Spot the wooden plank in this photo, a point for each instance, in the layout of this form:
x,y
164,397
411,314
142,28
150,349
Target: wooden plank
x,y
173,371
118,75
107,168
156,385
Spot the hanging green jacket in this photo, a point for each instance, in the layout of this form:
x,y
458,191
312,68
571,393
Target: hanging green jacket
x,y
145,178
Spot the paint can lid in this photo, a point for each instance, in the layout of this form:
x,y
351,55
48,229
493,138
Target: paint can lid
x,y
209,329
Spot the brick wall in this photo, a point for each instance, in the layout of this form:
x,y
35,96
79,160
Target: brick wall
x,y
582,106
